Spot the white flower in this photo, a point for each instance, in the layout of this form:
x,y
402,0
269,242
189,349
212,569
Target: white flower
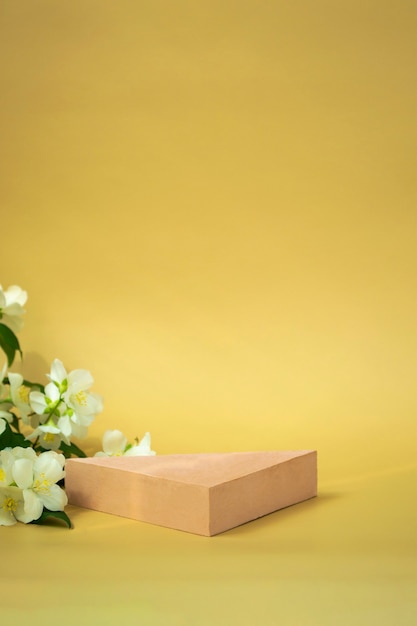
x,y
115,444
7,459
66,407
35,476
50,436
143,448
58,375
54,426
28,483
23,453
79,406
12,506
11,307
48,402
20,396
84,404
5,404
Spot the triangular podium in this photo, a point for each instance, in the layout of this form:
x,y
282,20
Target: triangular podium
x,y
204,494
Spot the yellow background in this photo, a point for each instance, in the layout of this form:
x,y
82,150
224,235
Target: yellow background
x,y
212,206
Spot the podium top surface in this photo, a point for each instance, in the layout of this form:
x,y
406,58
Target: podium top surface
x,y
205,469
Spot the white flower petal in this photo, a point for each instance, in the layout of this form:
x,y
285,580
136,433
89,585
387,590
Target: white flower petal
x,y
143,448
37,402
79,379
10,498
24,453
58,457
20,395
7,460
6,517
22,471
11,305
49,437
82,419
85,404
55,500
49,428
79,431
51,441
52,392
47,465
14,309
114,442
6,415
95,403
14,323
30,509
64,425
3,372
14,293
15,379
58,371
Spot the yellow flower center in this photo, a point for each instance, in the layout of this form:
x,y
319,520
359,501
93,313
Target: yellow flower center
x,y
41,485
24,394
2,474
48,437
80,398
9,504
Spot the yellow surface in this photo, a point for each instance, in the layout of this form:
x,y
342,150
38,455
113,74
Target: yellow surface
x,y
212,206
346,557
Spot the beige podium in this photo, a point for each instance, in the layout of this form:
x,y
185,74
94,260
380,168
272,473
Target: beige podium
x,y
205,494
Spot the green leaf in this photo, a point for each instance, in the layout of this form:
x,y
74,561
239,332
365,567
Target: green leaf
x,y
6,438
10,439
35,386
15,423
26,383
20,440
72,449
9,343
46,514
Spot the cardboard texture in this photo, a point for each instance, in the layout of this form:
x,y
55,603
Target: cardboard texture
x,y
205,494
